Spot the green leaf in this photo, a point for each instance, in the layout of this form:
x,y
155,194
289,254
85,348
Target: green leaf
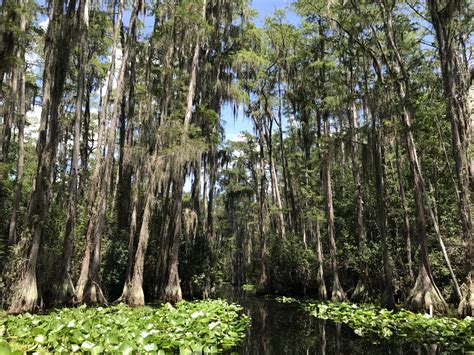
x,y
5,348
125,348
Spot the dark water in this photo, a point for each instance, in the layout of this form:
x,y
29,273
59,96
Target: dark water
x,y
285,329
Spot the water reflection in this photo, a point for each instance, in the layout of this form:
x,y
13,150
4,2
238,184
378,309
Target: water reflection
x,y
322,336
285,329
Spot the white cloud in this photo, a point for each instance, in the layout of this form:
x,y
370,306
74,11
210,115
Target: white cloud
x,y
32,123
44,24
239,137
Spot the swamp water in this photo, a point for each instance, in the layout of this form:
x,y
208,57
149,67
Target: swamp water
x,y
283,328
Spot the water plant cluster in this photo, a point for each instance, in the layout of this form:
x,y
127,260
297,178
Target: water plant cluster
x,y
188,327
401,326
248,288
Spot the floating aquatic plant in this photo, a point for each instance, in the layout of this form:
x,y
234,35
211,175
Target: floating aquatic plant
x,y
204,327
396,326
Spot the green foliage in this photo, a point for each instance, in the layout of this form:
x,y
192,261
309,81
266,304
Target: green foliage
x,y
248,287
208,326
401,326
291,265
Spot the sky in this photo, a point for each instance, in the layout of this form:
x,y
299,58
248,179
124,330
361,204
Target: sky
x,y
267,8
233,126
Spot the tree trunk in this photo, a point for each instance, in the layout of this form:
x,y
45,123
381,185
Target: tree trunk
x,y
171,287
9,115
320,283
63,290
361,291
434,218
25,292
337,293
12,236
7,45
134,295
276,197
193,77
387,298
406,219
162,255
131,237
262,283
282,151
85,139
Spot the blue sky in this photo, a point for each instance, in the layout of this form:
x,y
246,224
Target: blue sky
x,y
267,8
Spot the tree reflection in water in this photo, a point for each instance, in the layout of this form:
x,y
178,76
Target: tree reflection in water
x,y
279,328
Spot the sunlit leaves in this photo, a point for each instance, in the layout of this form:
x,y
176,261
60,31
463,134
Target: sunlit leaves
x,y
198,326
397,326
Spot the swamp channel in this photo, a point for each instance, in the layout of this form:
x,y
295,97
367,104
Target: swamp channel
x,y
285,328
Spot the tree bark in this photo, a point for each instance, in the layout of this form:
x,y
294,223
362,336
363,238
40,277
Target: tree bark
x,y
9,115
361,292
12,236
337,293
320,283
131,238
171,286
63,290
25,293
406,219
262,283
276,196
134,295
387,298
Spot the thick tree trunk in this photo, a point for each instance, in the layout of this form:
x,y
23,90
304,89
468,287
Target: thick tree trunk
x,y
63,290
171,289
466,307
134,295
162,255
196,191
131,238
424,294
209,235
25,294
